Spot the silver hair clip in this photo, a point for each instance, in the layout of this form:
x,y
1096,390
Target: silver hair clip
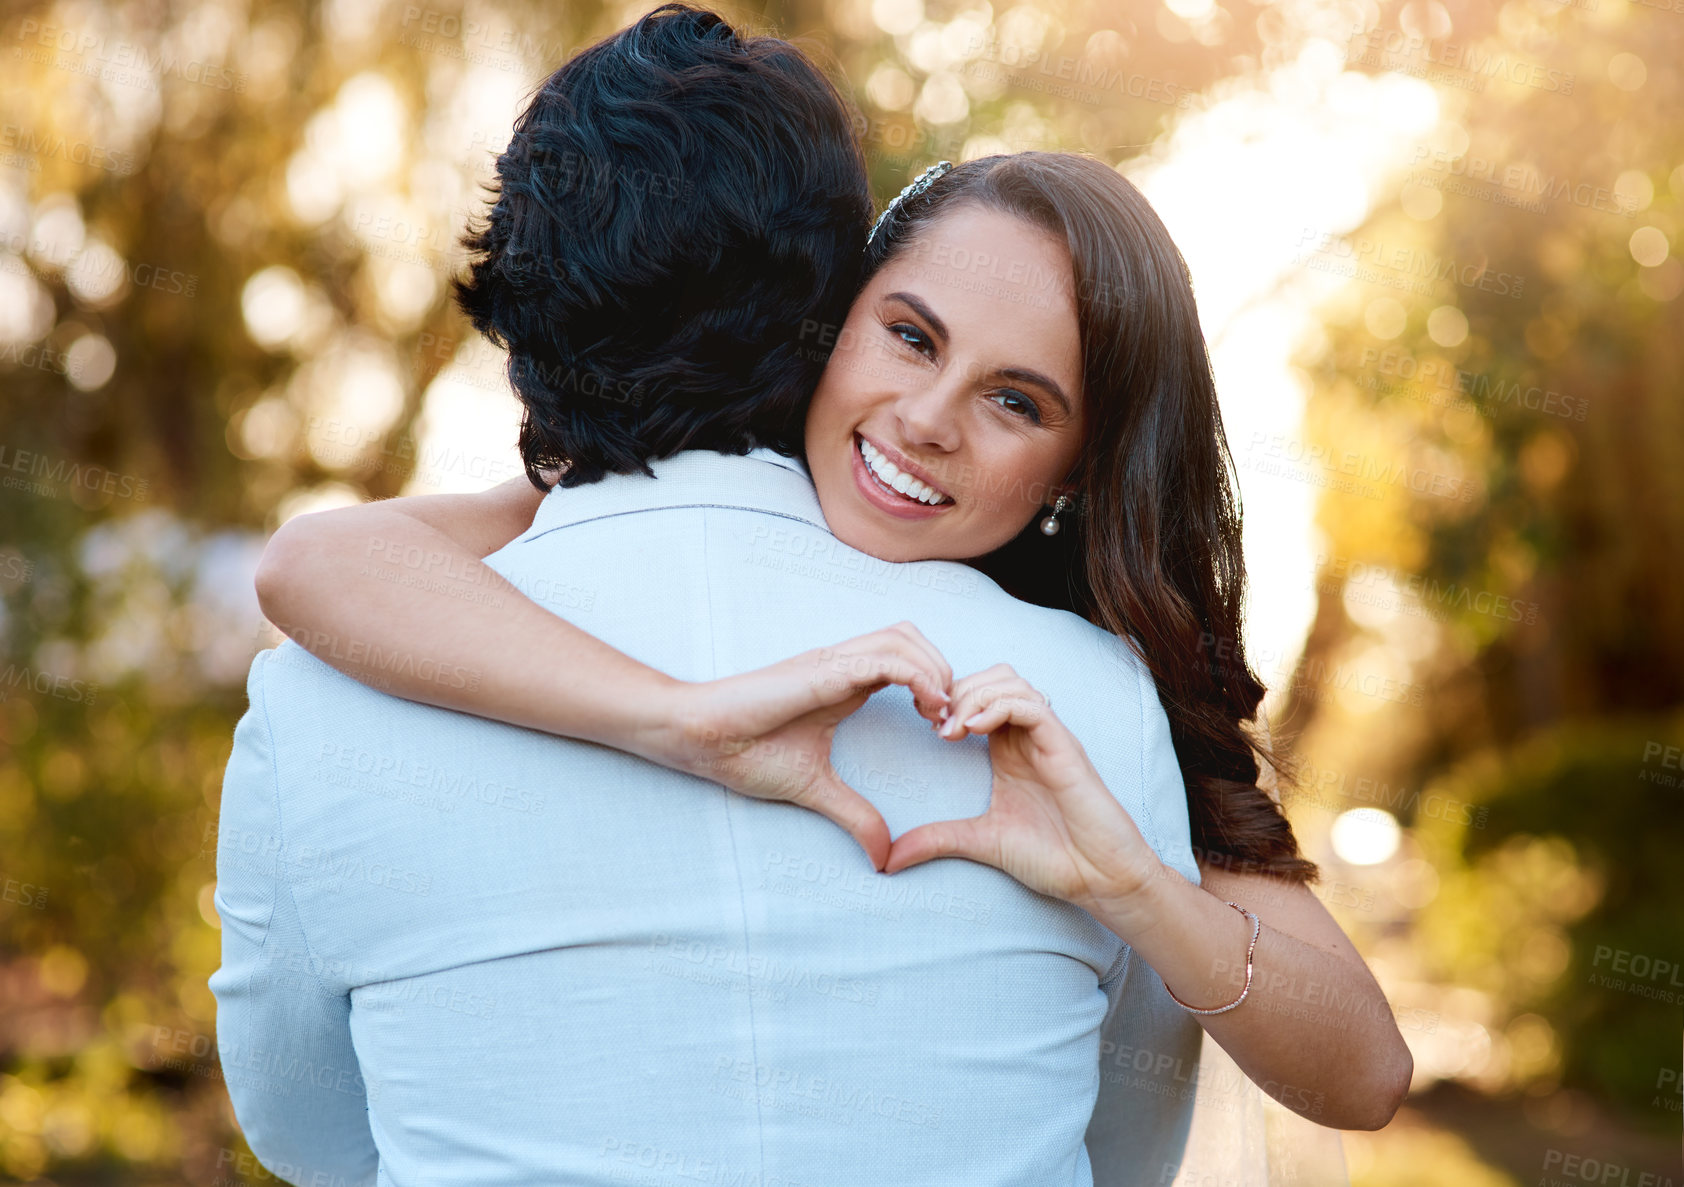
x,y
917,186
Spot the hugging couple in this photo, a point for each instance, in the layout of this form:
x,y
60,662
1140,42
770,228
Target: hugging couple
x,y
886,807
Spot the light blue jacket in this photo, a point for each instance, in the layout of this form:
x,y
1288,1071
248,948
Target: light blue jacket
x,y
458,952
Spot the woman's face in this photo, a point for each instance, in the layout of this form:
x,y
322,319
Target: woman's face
x,y
960,365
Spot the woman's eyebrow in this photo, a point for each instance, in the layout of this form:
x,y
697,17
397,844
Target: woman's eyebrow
x,y
1015,374
916,304
1024,375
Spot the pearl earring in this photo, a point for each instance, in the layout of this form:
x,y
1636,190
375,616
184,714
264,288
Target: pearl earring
x,y
1050,525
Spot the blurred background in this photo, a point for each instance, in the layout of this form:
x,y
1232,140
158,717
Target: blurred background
x,y
1436,249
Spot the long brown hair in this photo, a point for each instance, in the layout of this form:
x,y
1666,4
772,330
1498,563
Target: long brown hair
x,y
1154,555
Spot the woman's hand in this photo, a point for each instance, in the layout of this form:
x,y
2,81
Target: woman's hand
x,y
767,733
1051,823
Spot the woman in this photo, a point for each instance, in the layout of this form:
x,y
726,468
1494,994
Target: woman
x,y
1026,337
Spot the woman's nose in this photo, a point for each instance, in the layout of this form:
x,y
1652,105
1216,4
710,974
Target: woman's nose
x,y
929,415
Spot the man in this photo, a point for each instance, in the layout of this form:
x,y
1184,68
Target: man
x,y
460,952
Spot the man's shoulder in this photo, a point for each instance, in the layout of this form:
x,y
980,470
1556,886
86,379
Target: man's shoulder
x,y
297,692
985,600
976,624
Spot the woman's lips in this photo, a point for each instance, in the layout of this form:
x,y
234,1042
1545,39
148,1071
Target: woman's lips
x,y
884,498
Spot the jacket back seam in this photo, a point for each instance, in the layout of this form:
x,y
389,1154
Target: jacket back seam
x,y
736,858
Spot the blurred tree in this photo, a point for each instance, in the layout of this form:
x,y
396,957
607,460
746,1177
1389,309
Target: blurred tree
x,y
1501,384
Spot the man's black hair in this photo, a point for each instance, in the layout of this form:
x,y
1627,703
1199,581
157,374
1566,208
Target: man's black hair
x,y
679,223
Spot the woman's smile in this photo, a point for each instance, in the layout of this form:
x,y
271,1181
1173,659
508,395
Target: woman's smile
x,y
893,483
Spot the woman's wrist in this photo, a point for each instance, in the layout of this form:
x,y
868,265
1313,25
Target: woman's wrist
x,y
1135,908
1196,942
647,719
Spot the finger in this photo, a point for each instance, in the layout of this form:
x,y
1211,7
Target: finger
x,y
976,694
873,661
996,674
931,693
942,668
1003,710
964,693
971,839
836,801
905,663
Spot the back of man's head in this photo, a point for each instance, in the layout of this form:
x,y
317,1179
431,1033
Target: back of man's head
x,y
679,206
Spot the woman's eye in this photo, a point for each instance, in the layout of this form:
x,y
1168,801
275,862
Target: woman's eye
x,y
911,335
1014,401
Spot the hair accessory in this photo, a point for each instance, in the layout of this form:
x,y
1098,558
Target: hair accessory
x,y
917,186
1256,926
1050,525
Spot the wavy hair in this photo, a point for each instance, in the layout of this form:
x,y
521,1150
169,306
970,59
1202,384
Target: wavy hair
x,y
679,208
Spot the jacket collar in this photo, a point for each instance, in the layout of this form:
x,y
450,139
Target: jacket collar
x,y
760,480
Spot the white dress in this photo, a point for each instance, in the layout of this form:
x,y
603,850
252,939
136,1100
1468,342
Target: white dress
x,y
1175,1110
1238,1134
1246,1138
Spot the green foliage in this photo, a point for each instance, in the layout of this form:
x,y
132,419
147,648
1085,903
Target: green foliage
x,y
1603,801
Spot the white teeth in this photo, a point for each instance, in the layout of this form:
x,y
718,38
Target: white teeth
x,y
891,475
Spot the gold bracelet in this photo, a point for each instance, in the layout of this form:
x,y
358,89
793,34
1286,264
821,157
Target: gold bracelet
x,y
1256,926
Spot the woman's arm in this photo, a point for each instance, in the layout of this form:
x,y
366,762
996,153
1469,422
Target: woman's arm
x,y
394,594
1314,1030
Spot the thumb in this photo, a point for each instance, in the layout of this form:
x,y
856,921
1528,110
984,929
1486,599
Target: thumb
x,y
836,801
969,839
